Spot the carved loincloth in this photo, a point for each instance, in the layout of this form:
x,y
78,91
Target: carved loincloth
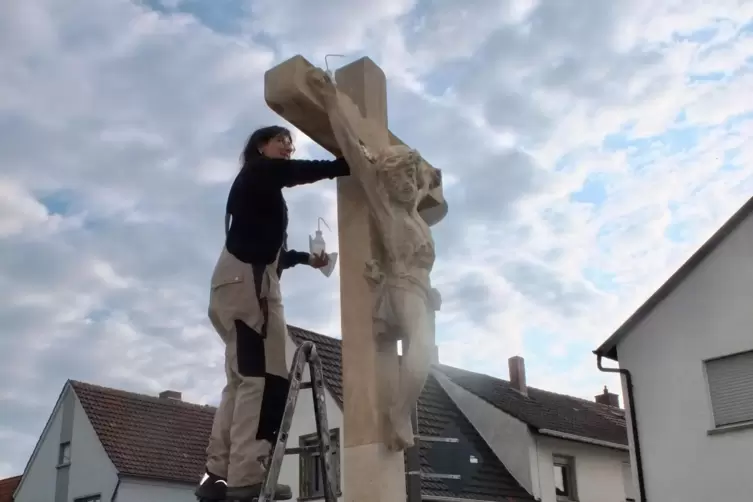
x,y
383,286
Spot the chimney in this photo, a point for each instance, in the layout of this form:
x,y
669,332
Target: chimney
x,y
170,394
518,374
608,398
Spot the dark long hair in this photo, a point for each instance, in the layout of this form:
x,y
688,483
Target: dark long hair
x,y
258,139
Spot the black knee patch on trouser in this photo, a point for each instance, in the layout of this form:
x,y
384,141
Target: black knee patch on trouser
x,y
272,406
252,363
250,350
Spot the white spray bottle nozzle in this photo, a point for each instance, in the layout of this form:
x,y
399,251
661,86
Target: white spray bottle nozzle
x,y
317,246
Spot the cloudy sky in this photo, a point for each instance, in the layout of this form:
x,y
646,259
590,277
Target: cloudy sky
x,y
588,147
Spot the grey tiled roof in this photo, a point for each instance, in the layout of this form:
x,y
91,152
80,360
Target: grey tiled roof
x,y
546,410
438,416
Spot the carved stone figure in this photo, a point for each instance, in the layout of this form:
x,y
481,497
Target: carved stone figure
x,y
395,179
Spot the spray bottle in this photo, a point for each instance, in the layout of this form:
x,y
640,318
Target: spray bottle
x,y
317,246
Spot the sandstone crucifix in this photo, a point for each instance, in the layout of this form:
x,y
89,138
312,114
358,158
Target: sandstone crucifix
x,y
380,233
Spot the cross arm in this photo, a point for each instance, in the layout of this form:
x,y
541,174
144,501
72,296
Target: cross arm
x,y
287,93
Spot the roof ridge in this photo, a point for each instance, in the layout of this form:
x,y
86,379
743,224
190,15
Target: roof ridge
x,y
138,395
486,375
529,386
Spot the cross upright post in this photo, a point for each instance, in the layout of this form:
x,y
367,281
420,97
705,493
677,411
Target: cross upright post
x,y
371,472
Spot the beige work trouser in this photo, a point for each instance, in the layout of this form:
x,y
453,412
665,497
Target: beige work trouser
x,y
245,307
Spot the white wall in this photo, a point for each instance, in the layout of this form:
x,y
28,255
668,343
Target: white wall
x,y
91,472
304,424
508,437
137,490
598,470
710,314
39,480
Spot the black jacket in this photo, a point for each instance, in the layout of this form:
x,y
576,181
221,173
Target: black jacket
x,y
259,212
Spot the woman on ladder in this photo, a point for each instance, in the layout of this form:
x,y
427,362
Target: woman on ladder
x,y
245,307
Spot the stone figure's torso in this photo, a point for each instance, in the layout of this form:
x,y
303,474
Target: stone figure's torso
x,y
406,238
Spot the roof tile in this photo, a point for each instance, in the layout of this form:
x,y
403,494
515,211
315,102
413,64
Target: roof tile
x,y
7,487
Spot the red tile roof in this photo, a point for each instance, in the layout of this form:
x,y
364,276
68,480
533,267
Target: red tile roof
x,y
7,487
147,436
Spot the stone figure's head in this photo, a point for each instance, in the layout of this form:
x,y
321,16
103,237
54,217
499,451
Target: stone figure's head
x,y
408,177
399,168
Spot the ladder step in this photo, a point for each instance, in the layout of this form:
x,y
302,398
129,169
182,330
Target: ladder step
x,y
307,385
437,439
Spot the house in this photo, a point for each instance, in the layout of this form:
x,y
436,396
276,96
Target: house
x,y
103,444
512,445
686,359
558,447
7,487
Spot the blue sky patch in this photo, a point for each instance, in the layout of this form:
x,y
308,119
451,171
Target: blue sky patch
x,y
219,15
593,191
60,202
605,281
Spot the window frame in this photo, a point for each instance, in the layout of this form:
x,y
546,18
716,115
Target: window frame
x,y
567,462
309,466
64,447
715,425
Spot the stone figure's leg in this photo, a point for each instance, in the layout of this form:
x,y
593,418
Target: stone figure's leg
x,y
412,316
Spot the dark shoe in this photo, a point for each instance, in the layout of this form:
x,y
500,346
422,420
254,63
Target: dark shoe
x,y
247,493
211,488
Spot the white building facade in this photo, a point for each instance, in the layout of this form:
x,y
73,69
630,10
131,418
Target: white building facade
x,y
553,466
689,355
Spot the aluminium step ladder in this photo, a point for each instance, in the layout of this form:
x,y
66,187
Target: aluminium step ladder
x,y
306,353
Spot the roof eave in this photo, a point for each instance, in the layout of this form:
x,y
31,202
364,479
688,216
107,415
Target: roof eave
x,y
583,439
608,349
66,387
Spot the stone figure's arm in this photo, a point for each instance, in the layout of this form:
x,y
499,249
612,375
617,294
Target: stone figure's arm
x,y
340,117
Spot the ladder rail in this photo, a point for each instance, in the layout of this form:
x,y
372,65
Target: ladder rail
x,y
322,425
305,354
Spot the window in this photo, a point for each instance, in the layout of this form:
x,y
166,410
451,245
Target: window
x,y
64,454
311,472
564,478
730,381
90,498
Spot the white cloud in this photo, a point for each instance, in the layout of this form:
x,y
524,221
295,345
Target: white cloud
x,y
121,128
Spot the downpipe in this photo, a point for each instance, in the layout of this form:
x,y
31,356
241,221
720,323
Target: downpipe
x,y
633,423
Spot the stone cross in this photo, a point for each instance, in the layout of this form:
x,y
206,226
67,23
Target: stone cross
x,y
371,472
